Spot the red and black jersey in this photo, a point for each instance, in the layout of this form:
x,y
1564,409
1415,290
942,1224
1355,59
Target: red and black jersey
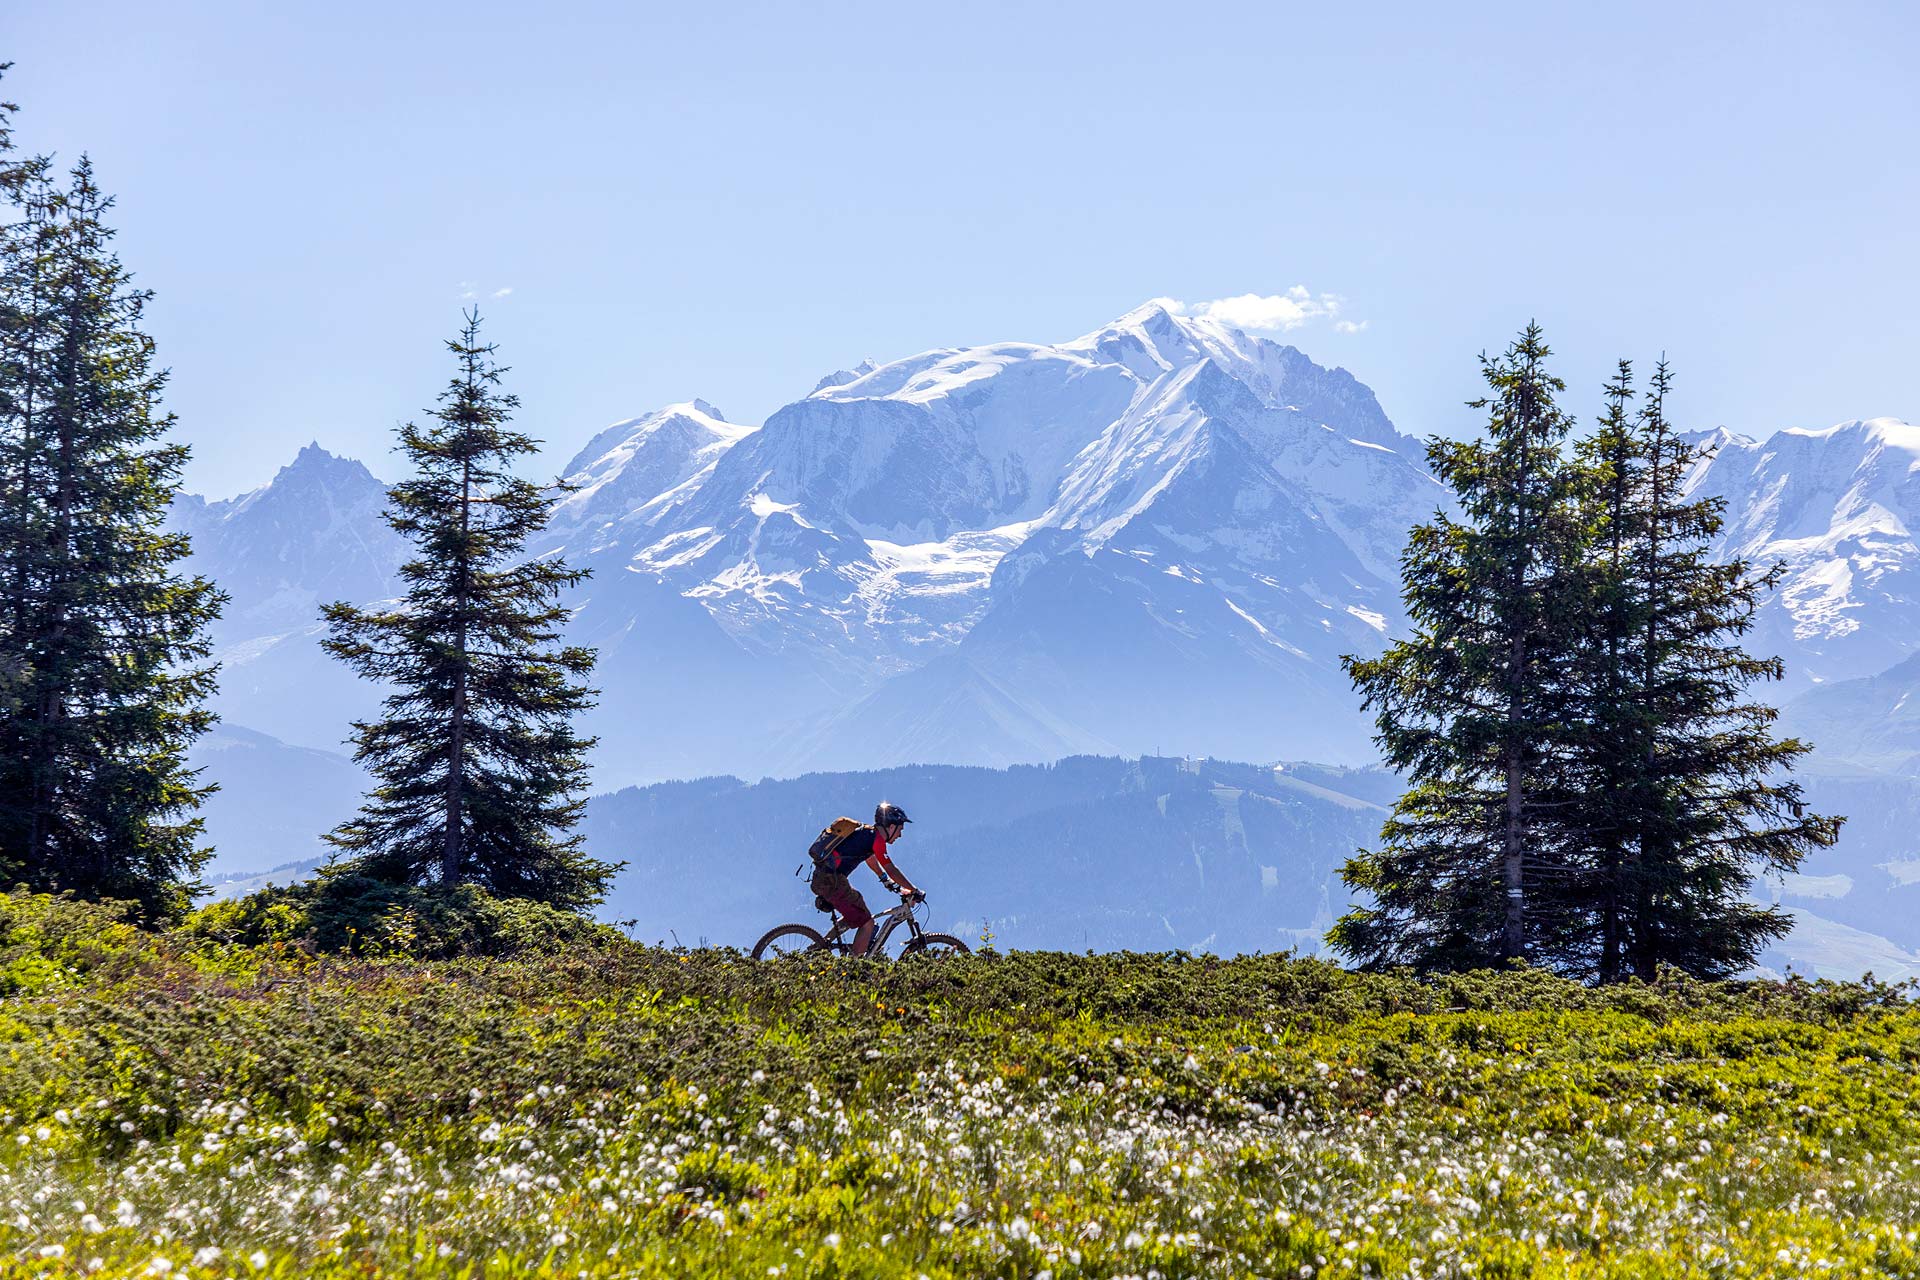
x,y
862,844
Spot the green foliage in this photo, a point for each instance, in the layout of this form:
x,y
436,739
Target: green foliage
x,y
357,915
1685,793
630,1111
49,942
1471,868
479,771
103,642
1589,788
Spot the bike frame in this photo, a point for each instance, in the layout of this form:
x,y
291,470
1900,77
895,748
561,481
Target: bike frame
x,y
888,920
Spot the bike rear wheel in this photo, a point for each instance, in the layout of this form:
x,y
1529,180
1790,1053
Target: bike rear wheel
x,y
788,940
934,946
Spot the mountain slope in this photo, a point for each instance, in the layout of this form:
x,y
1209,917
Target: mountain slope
x,y
1839,507
1873,721
312,535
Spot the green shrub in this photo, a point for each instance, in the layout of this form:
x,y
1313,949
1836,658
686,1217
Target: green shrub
x,y
49,940
355,915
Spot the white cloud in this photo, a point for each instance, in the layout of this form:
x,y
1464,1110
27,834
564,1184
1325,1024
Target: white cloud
x,y
1280,312
501,293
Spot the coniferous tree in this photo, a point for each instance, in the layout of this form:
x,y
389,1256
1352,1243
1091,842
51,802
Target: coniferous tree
x,y
103,641
1472,869
1614,721
479,771
1687,794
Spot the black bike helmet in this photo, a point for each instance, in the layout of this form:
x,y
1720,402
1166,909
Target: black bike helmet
x,y
885,815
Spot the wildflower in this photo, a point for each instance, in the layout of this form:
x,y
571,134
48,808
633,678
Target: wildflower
x,y
833,1240
207,1256
257,1259
52,1251
1019,1229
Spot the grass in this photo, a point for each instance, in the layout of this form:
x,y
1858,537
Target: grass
x,y
175,1106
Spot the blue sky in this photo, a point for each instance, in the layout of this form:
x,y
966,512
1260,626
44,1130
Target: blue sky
x,y
728,201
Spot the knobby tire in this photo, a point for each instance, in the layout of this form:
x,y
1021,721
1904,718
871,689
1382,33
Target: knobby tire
x,y
796,932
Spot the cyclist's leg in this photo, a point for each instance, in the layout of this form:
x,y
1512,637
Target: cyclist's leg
x,y
852,907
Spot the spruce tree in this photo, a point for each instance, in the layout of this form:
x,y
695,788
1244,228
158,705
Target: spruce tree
x,y
1687,794
1471,869
1613,720
479,770
103,640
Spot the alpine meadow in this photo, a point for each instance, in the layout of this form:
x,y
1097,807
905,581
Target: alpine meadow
x,y
1110,802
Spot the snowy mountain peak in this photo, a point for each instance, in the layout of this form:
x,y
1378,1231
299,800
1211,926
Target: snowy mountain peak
x,y
841,377
314,462
1840,506
692,424
1152,338
630,470
1875,433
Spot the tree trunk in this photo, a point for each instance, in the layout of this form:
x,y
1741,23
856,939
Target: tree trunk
x,y
451,854
1513,934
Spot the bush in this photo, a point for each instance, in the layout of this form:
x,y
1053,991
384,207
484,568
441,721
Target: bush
x,y
356,915
49,940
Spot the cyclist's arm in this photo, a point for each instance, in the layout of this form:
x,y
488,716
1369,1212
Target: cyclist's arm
x,y
884,868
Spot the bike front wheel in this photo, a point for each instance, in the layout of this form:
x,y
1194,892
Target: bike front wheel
x,y
934,945
788,940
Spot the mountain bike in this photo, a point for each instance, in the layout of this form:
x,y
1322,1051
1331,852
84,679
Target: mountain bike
x,y
800,939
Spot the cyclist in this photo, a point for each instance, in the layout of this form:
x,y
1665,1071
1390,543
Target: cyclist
x,y
866,845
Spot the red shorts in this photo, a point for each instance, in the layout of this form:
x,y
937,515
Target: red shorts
x,y
845,898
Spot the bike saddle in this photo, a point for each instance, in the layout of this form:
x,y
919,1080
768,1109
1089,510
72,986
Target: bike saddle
x,y
821,904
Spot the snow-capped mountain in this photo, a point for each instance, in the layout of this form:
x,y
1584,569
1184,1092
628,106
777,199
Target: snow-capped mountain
x,y
967,552
310,535
1839,507
1202,517
313,534
1160,535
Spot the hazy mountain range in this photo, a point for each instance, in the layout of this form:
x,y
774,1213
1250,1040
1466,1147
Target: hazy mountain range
x,y
1156,538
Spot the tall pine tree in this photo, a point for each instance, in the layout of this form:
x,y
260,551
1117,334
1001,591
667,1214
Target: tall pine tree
x,y
479,771
103,640
1687,794
1472,869
1613,720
